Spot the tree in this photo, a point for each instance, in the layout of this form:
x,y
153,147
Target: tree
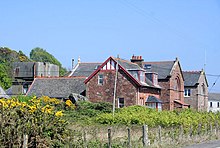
x,y
40,55
5,80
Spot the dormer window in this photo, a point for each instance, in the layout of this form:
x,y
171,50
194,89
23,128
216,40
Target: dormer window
x,y
153,77
147,66
97,67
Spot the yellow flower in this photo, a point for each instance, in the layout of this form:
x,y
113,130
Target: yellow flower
x,y
59,114
69,103
32,109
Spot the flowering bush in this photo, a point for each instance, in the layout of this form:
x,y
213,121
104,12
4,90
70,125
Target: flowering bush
x,y
39,118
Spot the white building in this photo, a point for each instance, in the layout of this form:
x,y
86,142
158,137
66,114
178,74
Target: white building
x,y
2,93
214,102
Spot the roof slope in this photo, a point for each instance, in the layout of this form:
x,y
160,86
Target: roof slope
x,y
2,93
214,96
84,69
127,67
57,87
191,77
153,99
127,64
163,68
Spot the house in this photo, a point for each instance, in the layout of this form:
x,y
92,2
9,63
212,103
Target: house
x,y
170,78
123,79
57,87
25,72
214,102
2,93
196,90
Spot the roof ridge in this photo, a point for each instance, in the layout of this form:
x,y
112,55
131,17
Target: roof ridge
x,y
127,61
154,62
192,71
90,63
66,77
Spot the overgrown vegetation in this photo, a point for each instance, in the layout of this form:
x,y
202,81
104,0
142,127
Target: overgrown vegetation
x,y
142,115
38,118
8,56
86,112
49,122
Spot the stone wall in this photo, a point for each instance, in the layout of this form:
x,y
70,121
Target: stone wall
x,y
125,88
172,88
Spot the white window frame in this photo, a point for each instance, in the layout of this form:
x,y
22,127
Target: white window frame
x,y
120,105
187,92
100,79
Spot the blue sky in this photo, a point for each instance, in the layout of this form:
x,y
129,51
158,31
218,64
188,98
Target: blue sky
x,y
96,29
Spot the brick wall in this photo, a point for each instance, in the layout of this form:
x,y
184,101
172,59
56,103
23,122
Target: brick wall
x,y
125,88
165,94
198,99
172,89
202,94
192,100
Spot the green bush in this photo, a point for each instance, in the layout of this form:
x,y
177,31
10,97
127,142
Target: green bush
x,y
141,115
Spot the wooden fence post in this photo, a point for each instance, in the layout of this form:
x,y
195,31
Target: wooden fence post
x,y
25,142
84,139
129,137
159,134
199,129
216,128
190,131
210,129
109,138
181,132
146,141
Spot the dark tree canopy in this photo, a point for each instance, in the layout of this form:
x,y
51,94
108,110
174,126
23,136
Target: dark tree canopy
x,y
40,55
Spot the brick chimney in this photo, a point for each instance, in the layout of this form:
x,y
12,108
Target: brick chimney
x,y
137,59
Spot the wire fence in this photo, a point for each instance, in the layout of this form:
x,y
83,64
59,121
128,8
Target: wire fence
x,y
134,136
140,136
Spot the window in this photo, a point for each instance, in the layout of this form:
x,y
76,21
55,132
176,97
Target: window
x,y
121,102
100,79
151,105
218,104
25,89
96,67
147,66
210,104
134,74
203,89
187,92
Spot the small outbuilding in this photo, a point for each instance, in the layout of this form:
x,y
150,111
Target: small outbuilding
x,y
154,103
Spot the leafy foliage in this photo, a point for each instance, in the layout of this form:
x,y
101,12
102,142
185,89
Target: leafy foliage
x,y
41,55
39,118
86,111
142,115
7,57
